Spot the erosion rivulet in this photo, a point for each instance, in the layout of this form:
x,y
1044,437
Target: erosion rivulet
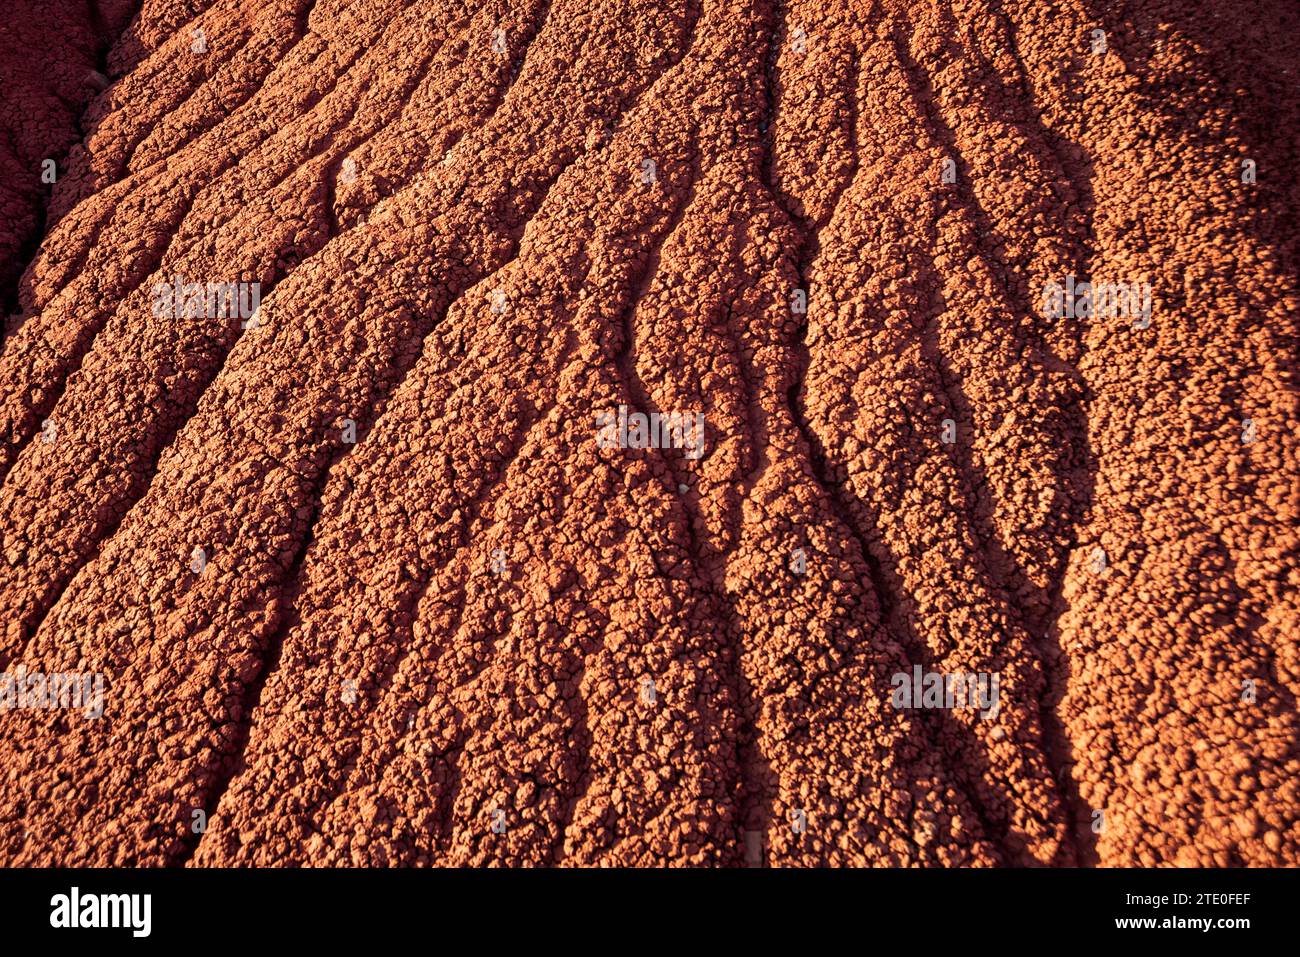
x,y
366,587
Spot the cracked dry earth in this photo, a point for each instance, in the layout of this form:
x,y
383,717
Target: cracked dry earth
x,y
476,636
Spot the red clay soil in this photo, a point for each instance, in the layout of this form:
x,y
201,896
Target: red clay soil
x,y
477,636
51,66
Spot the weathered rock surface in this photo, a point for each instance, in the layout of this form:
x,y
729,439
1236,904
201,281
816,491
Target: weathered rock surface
x,y
365,588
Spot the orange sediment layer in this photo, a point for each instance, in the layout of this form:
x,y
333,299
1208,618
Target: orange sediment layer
x,y
432,620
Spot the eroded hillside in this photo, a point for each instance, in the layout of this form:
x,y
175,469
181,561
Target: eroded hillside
x,y
366,584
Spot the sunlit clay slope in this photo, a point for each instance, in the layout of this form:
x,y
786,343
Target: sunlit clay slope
x,y
585,432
